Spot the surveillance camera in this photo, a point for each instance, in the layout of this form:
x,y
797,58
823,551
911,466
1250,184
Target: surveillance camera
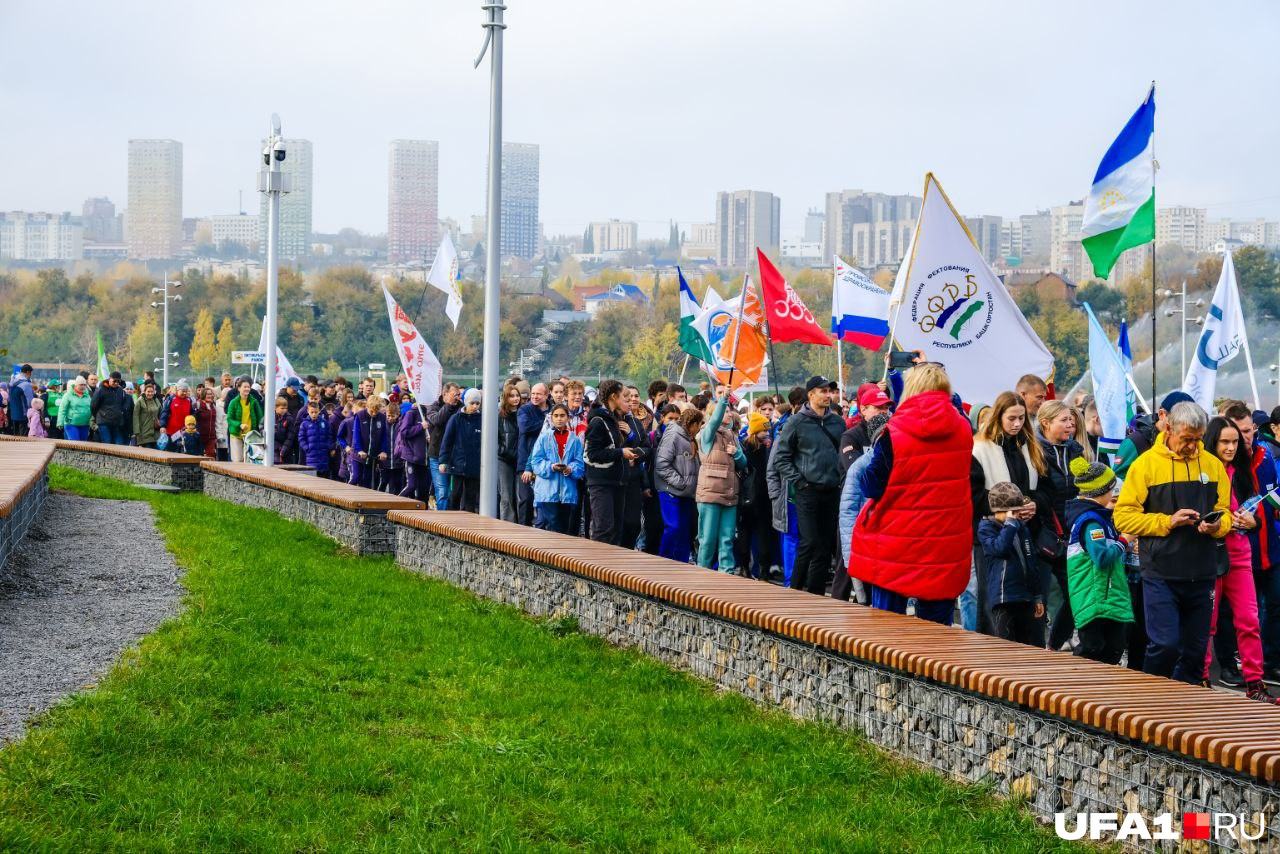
x,y
279,150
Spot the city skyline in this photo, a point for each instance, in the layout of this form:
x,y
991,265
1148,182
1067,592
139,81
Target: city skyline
x,y
1005,141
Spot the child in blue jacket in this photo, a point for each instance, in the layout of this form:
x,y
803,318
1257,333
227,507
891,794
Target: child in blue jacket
x,y
1014,593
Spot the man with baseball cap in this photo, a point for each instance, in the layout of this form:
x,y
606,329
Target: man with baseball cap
x,y
808,461
872,401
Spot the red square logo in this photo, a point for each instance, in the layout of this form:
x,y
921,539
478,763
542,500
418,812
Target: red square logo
x,y
1195,825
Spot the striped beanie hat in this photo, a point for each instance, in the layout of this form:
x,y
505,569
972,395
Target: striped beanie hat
x,y
1092,479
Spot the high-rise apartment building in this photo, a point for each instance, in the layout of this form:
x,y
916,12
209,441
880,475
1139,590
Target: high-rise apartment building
x,y
295,205
1066,253
240,229
814,221
153,224
986,232
869,229
1182,226
413,200
519,223
614,236
40,237
100,221
746,219
701,240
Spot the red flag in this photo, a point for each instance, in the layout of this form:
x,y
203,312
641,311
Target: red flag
x,y
789,319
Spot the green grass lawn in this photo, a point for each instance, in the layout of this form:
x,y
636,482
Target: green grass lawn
x,y
311,700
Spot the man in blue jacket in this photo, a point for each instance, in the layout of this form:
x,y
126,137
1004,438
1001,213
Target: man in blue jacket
x,y
20,396
529,421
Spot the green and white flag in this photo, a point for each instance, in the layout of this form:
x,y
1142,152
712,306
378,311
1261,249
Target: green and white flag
x,y
690,341
1120,212
103,370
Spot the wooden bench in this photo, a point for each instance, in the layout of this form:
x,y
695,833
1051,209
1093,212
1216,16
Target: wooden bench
x,y
613,591
127,462
24,484
352,515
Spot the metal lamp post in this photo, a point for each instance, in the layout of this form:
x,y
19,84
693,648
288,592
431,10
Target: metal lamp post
x,y
165,299
1276,379
272,182
1170,312
493,27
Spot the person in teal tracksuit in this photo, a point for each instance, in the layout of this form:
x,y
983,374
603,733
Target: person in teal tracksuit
x,y
717,492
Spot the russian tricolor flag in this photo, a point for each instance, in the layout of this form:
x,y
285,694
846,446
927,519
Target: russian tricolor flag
x,y
859,308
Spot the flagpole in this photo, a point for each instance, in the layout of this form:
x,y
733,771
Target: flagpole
x,y
768,340
1154,353
835,312
737,329
1248,361
682,369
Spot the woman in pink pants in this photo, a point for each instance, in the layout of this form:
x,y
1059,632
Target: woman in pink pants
x,y
1222,439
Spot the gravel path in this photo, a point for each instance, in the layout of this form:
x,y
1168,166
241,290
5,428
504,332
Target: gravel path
x,y
92,577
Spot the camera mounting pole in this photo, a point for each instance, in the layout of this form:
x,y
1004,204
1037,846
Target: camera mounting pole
x,y
272,182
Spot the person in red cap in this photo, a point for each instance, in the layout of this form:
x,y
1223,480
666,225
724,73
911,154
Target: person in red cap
x,y
855,441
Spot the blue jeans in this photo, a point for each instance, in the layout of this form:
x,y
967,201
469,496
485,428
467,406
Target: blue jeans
x,y
969,602
112,435
74,433
551,516
790,543
933,610
679,515
1178,618
440,485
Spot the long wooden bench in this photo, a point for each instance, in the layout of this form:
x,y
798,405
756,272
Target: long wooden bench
x,y
1116,707
127,462
24,483
353,515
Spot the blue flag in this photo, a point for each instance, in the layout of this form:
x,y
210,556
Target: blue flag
x,y
1126,359
1109,386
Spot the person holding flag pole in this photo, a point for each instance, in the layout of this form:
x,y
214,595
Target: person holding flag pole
x,y
425,376
1223,338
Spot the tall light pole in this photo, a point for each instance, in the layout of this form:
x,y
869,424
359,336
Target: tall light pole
x,y
1170,312
167,298
272,182
493,27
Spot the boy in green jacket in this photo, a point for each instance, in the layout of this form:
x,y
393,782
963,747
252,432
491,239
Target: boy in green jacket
x,y
1098,588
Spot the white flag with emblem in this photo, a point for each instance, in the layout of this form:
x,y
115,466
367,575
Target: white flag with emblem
x,y
1222,339
420,364
444,277
953,309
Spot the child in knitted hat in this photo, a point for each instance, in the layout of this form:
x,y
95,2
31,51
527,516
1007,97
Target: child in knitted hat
x,y
1014,593
188,441
1096,581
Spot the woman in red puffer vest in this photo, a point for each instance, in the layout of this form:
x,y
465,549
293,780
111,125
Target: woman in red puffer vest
x,y
914,535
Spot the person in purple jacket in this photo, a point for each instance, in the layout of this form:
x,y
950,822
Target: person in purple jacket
x,y
342,441
411,446
314,439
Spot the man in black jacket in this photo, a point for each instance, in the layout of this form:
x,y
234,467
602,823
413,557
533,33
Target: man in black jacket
x,y
108,407
606,460
438,415
872,401
808,456
633,497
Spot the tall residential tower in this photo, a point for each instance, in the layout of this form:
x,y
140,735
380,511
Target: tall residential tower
x,y
153,224
413,200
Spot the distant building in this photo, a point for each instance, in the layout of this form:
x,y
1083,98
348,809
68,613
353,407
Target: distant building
x,y
986,231
701,241
869,229
1181,226
613,236
40,237
814,221
1066,254
591,302
520,179
413,200
803,252
101,222
746,219
153,226
295,205
1051,287
1011,240
1226,244
241,229
1256,232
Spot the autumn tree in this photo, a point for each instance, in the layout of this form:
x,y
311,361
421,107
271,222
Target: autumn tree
x,y
203,354
144,342
225,342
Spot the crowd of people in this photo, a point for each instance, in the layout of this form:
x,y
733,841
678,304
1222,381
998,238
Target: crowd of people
x,y
1162,556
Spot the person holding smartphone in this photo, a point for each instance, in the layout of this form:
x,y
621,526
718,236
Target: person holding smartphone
x,y
1166,495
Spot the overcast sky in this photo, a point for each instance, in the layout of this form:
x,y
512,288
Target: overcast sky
x,y
645,109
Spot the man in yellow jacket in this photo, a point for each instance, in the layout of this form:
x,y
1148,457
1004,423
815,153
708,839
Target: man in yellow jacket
x,y
1176,499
